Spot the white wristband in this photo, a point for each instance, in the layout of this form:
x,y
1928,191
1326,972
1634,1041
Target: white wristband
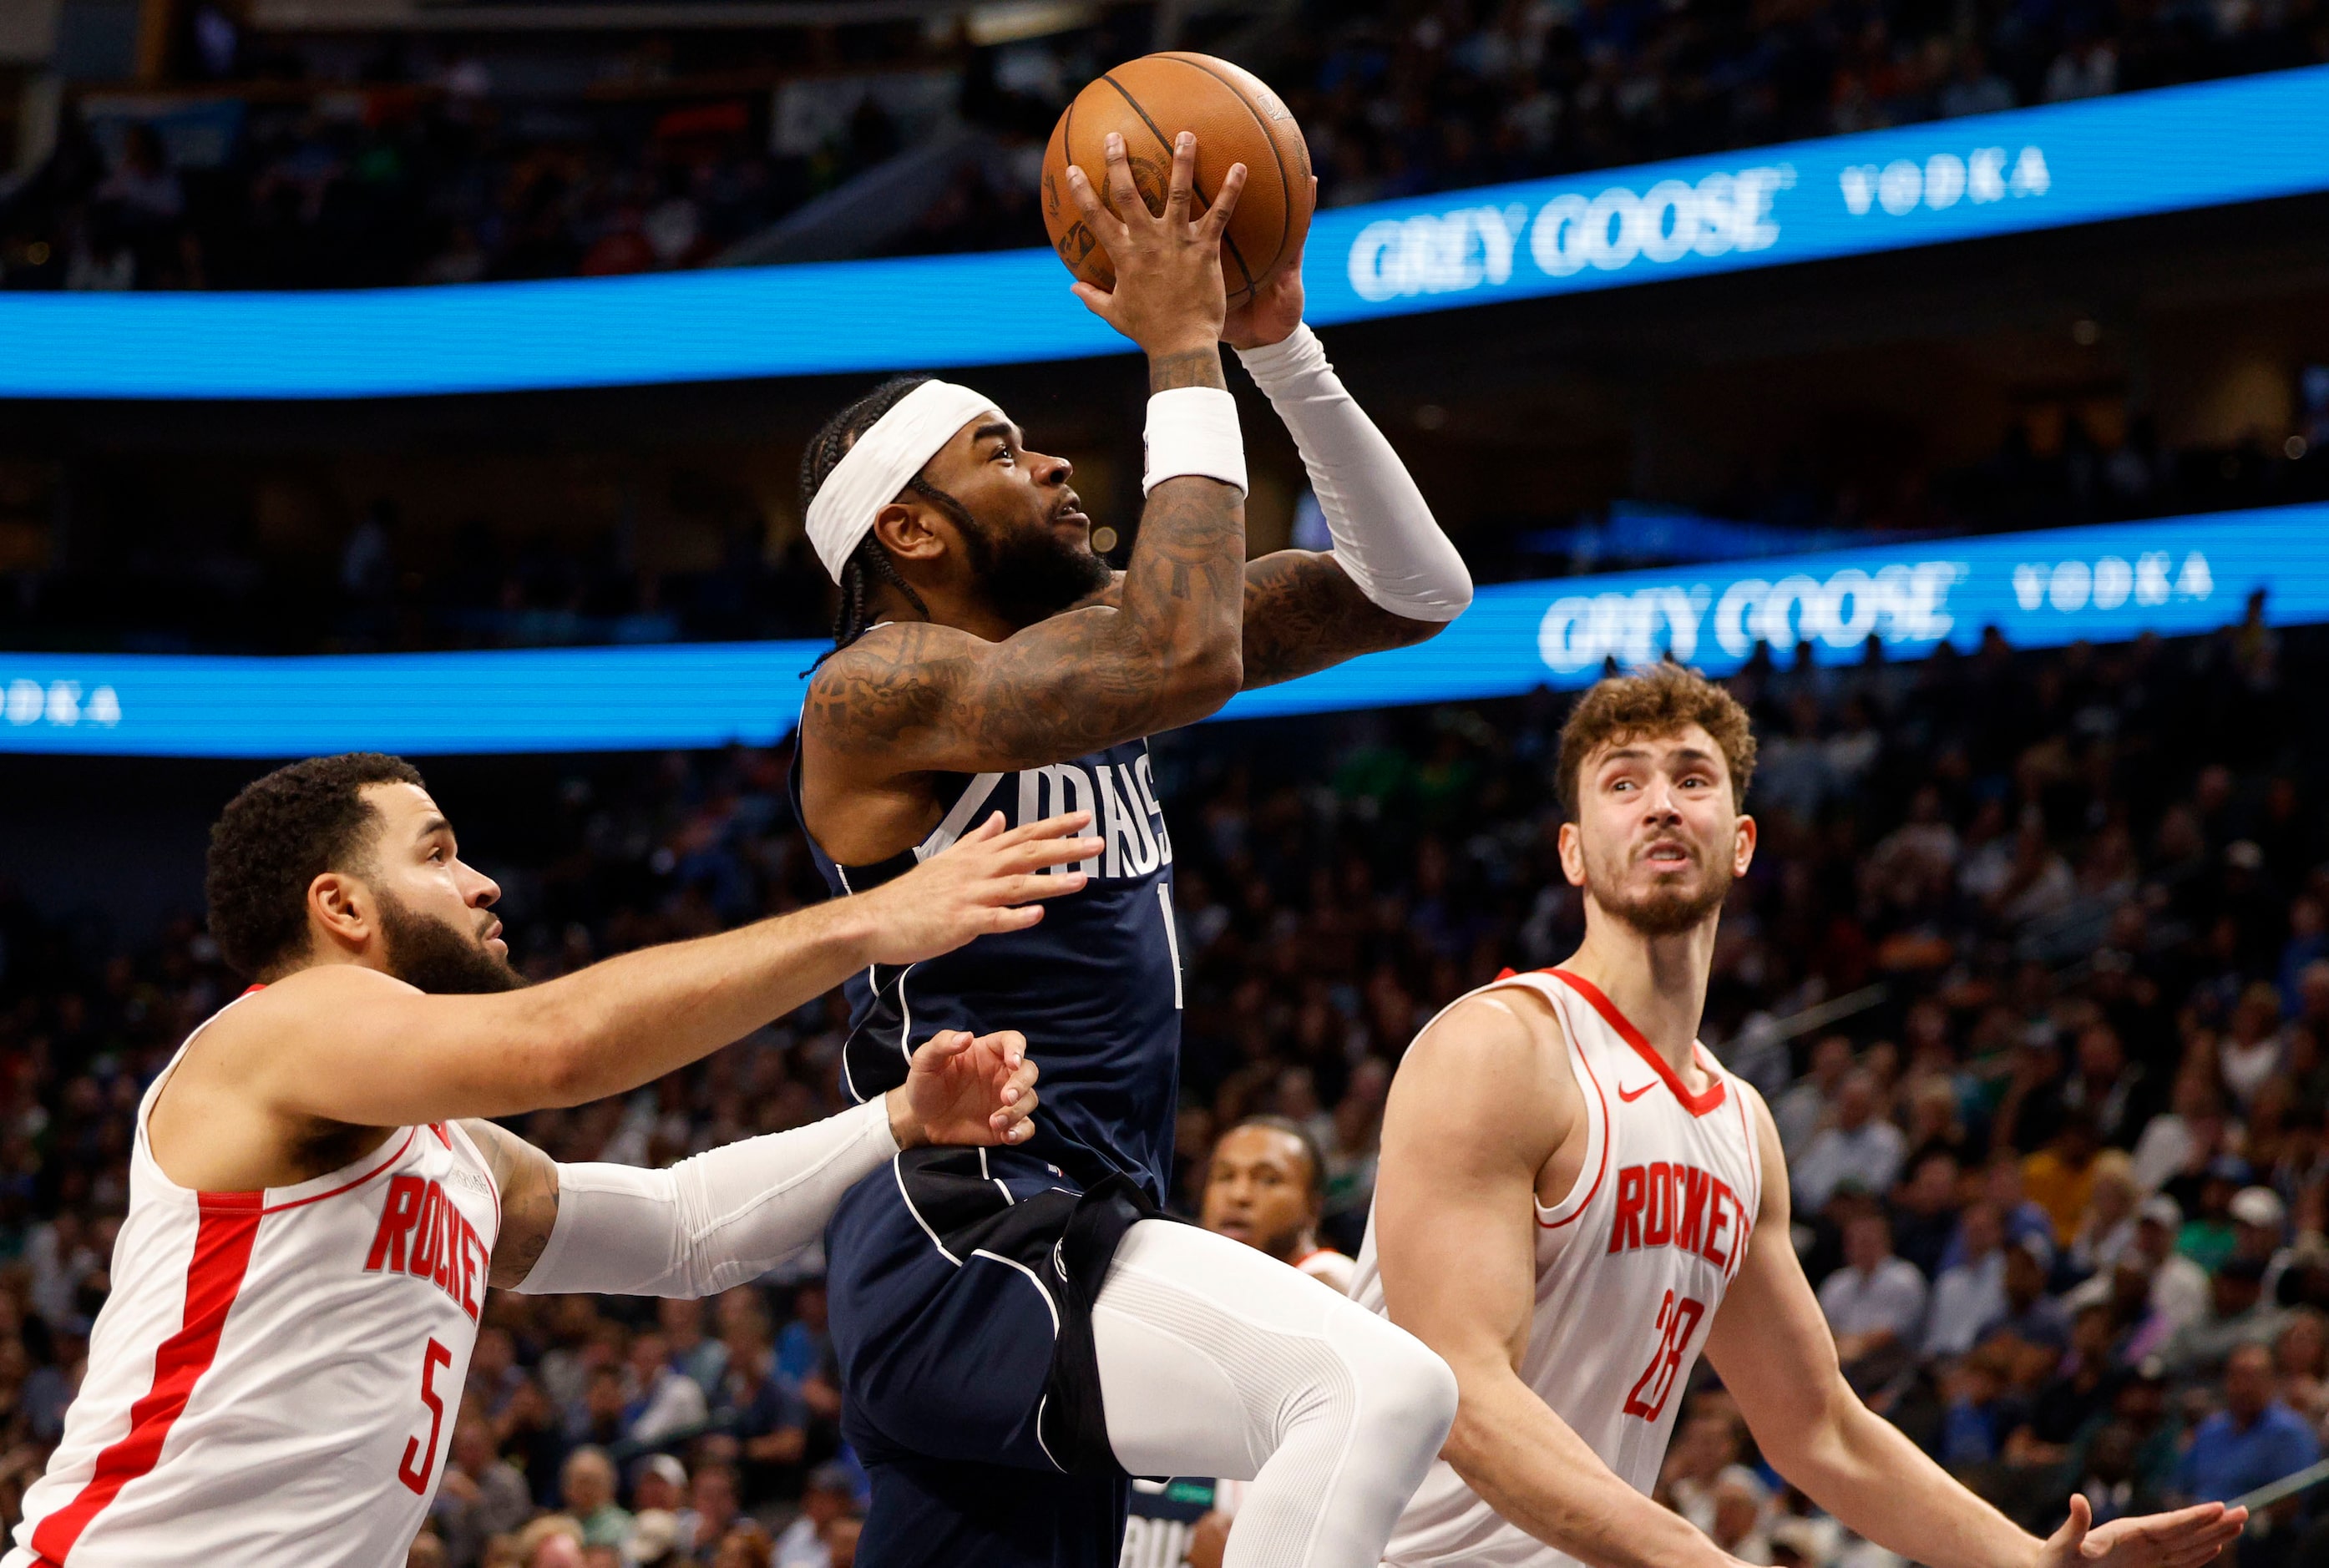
x,y
1193,430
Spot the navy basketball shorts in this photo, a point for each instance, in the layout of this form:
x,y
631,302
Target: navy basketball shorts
x,y
961,1283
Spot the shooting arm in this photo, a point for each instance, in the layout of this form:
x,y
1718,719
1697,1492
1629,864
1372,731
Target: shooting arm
x,y
1472,1116
1393,578
1772,1346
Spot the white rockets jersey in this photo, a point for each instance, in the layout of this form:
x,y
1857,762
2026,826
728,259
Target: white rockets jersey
x,y
1630,1267
273,1381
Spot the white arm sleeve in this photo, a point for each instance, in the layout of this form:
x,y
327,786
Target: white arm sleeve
x,y
710,1223
1385,538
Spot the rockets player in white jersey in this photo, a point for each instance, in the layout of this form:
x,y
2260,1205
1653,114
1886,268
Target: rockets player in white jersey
x,y
1575,1199
316,1209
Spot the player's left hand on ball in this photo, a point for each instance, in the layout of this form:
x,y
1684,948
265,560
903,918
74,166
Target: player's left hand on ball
x,y
975,1091
2183,1539
1272,311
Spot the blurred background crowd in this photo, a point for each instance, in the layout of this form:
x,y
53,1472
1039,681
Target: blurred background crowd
x,y
295,159
2033,966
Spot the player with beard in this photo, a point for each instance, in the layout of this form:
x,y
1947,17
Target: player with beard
x,y
316,1207
988,659
1574,1198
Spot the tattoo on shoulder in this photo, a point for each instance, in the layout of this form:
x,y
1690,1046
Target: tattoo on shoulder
x,y
528,1181
887,684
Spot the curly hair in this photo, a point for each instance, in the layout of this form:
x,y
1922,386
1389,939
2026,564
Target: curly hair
x,y
277,836
1656,699
868,563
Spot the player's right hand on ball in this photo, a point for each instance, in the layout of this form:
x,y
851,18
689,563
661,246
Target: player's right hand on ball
x,y
990,880
1169,297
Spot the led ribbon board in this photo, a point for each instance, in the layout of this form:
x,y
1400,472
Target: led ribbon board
x,y
2162,151
2043,589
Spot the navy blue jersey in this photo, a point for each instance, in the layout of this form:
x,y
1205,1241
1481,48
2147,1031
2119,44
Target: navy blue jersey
x,y
1095,986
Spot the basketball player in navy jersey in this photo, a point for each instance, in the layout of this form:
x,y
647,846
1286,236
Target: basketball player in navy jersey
x,y
989,661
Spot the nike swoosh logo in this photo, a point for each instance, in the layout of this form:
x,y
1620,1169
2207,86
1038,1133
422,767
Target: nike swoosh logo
x,y
1630,1097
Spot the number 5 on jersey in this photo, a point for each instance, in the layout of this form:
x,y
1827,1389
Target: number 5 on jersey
x,y
416,1479
1677,1321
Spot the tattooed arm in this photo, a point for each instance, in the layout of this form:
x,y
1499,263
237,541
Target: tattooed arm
x,y
1159,650
1303,614
527,1179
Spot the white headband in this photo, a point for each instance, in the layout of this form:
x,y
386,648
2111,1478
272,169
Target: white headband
x,y
872,471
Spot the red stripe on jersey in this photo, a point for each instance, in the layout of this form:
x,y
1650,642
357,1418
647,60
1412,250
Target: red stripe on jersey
x,y
1696,1104
223,1243
345,1187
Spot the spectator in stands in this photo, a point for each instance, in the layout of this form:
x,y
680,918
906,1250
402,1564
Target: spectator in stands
x,y
2060,1177
1925,1209
2259,1221
2238,1314
1804,1108
2029,1314
658,1485
1266,1186
711,1512
1874,1304
829,1497
587,1485
1856,1144
481,1494
2254,1440
665,1404
1970,1295
693,1353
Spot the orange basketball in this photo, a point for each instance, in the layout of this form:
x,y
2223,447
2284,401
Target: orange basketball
x,y
1237,119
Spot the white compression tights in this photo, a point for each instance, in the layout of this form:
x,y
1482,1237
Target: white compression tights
x,y
1216,1361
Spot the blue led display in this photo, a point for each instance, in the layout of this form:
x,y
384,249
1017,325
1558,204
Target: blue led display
x,y
2151,152
2043,589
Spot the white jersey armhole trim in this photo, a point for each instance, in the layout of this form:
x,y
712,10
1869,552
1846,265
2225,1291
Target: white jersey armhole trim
x,y
1597,1124
1594,1169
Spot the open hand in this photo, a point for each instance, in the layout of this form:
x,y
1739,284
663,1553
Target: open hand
x,y
2183,1539
1169,296
1272,311
964,1090
988,881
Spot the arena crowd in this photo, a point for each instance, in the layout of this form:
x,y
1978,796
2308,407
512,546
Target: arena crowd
x,y
2033,967
425,162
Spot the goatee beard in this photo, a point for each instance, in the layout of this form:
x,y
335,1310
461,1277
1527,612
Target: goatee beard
x,y
434,956
1668,912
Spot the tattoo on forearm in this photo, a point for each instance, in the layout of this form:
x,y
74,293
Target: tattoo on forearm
x,y
1303,613
1191,368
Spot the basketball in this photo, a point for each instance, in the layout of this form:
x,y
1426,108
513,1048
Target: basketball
x,y
1237,119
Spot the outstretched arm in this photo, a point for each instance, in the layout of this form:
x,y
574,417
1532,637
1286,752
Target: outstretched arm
x,y
1775,1353
342,1044
1392,578
731,1214
1473,1115
1161,649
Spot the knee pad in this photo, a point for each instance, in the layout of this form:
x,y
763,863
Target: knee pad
x,y
1406,1392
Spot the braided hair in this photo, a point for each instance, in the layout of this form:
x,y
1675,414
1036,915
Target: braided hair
x,y
868,563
